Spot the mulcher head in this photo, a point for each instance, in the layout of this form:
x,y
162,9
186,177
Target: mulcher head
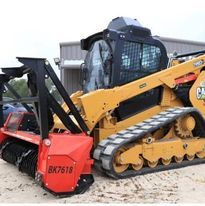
x,y
60,162
64,164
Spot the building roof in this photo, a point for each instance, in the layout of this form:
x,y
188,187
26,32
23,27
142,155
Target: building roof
x,y
71,43
169,39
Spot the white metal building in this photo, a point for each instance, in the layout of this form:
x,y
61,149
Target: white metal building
x,y
71,57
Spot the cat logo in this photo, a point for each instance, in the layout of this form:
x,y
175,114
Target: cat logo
x,y
200,91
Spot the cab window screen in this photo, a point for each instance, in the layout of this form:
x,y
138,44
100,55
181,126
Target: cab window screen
x,y
150,58
138,60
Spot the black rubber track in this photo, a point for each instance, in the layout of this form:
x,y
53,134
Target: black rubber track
x,y
104,153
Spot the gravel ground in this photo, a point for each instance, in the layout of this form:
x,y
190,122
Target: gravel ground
x,y
186,185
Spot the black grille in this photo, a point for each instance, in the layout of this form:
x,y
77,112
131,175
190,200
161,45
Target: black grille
x,y
138,60
151,57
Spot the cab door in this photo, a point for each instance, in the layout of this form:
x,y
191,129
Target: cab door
x,y
137,60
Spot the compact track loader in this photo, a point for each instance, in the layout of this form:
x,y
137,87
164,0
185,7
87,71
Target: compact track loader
x,y
139,112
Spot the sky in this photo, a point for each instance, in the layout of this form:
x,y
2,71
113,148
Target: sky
x,y
34,28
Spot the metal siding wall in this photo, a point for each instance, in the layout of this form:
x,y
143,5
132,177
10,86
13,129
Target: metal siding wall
x,y
71,76
71,79
71,51
181,47
74,52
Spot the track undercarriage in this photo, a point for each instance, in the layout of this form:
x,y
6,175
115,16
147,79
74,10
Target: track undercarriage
x,y
173,138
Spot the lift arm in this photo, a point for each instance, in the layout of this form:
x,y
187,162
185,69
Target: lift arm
x,y
38,69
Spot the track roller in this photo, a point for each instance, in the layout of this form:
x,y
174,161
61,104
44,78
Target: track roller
x,y
201,154
152,164
118,167
166,161
178,159
139,165
190,157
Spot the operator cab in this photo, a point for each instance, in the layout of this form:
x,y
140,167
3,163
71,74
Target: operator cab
x,y
122,53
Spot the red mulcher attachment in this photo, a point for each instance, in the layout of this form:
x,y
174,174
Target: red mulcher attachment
x,y
59,162
64,165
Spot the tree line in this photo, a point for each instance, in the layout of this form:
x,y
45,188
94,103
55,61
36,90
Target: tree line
x,y
20,85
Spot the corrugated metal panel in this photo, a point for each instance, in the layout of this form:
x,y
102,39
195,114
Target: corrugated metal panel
x,y
72,50
70,77
181,47
71,80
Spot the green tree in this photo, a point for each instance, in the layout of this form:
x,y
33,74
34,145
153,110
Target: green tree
x,y
52,89
20,86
